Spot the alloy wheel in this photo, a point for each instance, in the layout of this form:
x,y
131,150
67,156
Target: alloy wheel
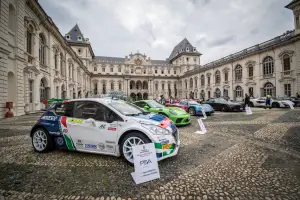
x,y
127,147
39,139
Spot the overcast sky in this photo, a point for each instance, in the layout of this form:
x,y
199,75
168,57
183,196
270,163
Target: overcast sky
x,y
216,27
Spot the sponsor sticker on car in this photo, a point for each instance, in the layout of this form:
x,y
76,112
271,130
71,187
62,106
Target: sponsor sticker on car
x,y
111,129
49,118
166,146
79,143
76,121
90,146
102,126
101,146
54,133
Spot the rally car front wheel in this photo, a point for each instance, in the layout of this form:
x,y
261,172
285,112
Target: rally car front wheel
x,y
41,141
130,140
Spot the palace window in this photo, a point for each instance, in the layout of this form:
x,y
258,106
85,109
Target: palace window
x,y
202,80
119,69
226,76
250,72
95,69
208,80
218,93
268,89
103,69
29,35
239,92
268,66
286,63
111,69
218,77
287,90
42,50
238,73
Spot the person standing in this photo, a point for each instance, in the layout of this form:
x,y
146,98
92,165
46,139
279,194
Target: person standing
x,y
268,101
247,100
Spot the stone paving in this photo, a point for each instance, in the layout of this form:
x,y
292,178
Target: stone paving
x,y
241,157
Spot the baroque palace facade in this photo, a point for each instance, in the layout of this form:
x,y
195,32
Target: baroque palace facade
x,y
37,63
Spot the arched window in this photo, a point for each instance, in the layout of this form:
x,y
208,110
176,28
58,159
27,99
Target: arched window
x,y
196,82
202,80
250,71
286,63
12,18
191,83
185,84
238,73
238,92
95,88
218,93
120,86
269,89
268,66
218,77
208,80
42,49
29,35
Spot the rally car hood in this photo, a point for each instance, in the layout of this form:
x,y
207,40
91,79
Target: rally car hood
x,y
155,119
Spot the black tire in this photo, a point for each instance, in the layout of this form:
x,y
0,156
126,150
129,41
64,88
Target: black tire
x,y
275,105
223,109
49,139
140,135
192,111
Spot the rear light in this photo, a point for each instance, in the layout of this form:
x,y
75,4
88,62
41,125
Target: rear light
x,y
45,102
65,101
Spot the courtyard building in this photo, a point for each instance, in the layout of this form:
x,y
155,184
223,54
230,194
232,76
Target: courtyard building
x,y
37,62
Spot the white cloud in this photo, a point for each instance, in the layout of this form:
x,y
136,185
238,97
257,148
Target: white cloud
x,y
216,28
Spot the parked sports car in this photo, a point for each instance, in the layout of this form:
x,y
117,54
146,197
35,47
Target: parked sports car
x,y
275,103
169,101
103,126
223,105
193,107
177,115
295,100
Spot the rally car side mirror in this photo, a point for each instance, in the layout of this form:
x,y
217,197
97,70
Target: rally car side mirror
x,y
146,107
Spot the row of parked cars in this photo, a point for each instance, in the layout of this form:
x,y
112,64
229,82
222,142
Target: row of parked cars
x,y
112,127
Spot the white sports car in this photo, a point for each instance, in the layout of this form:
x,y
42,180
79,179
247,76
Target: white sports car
x,y
275,103
103,126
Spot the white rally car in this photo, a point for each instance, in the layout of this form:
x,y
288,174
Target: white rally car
x,y
103,126
275,103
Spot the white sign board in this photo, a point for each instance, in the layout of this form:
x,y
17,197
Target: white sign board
x,y
203,113
290,104
145,163
248,110
202,127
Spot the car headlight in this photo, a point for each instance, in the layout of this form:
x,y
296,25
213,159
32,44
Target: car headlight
x,y
156,130
173,112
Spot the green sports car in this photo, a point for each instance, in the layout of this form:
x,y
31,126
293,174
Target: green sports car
x,y
177,115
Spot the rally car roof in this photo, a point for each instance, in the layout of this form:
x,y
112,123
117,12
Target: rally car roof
x,y
100,100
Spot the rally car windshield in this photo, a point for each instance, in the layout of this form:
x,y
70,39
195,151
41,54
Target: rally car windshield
x,y
154,104
127,109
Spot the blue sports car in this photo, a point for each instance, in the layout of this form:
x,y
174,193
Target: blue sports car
x,y
193,107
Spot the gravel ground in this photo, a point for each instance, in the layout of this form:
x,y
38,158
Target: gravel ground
x,y
241,157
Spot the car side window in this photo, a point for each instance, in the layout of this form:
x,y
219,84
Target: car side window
x,y
211,101
94,110
141,104
64,109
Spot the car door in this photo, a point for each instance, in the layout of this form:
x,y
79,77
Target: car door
x,y
90,129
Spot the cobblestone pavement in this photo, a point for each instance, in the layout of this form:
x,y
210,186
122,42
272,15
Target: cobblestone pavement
x,y
241,157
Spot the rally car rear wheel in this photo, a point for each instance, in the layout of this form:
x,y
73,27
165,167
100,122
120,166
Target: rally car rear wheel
x,y
41,141
130,140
